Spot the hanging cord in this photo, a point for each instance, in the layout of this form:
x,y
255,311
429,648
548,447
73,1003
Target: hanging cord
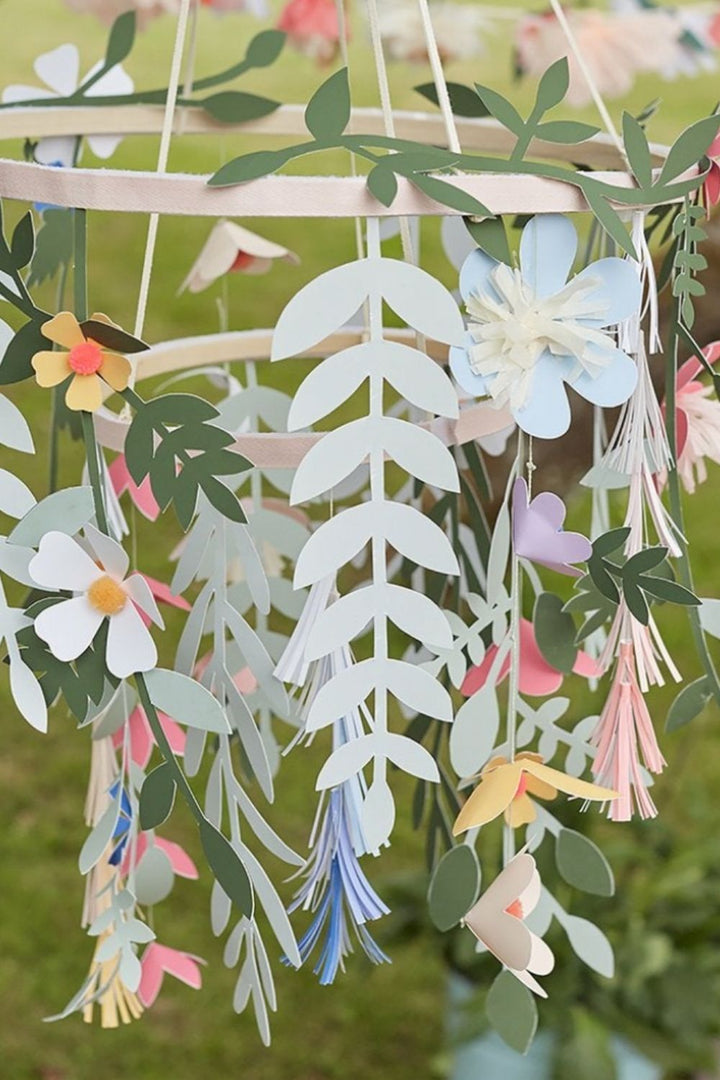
x,y
386,106
163,154
439,79
345,57
189,63
591,84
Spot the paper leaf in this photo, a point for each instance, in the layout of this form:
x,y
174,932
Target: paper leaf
x,y
448,195
157,796
340,622
408,755
490,235
97,843
332,459
237,107
330,384
186,701
566,132
455,887
273,908
121,39
637,150
689,703
19,351
248,167
65,511
53,245
229,871
464,101
326,303
417,538
419,299
112,337
418,616
418,452
343,693
512,1011
474,731
689,148
377,814
555,632
553,86
590,944
265,48
346,761
417,378
417,689
16,498
27,695
382,182
335,543
154,877
501,109
328,111
22,245
582,864
14,430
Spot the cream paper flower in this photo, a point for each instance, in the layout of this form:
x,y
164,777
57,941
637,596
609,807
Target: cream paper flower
x,y
497,921
103,591
457,29
230,247
59,71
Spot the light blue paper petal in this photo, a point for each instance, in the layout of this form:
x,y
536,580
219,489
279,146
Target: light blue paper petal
x,y
475,275
547,252
546,414
472,384
615,383
618,290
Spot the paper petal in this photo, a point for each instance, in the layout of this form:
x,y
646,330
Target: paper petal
x,y
547,251
490,798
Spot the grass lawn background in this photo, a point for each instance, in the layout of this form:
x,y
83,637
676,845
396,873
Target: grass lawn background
x,y
386,1022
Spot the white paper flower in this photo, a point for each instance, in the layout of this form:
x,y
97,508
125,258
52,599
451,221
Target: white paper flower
x,y
59,70
103,591
231,248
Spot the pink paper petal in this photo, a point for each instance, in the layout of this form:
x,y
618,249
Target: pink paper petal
x,y
141,494
159,959
537,678
180,861
162,593
586,666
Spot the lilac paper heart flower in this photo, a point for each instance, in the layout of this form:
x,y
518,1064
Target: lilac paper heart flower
x,y
538,534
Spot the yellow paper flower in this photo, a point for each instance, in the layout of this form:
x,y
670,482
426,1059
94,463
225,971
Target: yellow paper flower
x,y
504,787
86,360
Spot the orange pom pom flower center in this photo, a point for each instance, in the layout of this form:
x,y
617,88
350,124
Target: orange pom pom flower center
x,y
107,596
85,358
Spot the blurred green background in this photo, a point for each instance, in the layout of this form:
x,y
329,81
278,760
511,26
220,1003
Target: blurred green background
x,y
385,1022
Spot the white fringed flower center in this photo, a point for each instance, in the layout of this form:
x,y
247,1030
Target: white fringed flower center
x,y
512,333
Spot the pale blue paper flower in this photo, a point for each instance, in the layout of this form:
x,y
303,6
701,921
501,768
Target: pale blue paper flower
x,y
530,331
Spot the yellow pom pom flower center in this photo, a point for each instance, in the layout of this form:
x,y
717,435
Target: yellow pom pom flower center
x,y
107,596
85,358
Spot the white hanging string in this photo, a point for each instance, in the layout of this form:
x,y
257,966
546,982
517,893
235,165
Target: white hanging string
x,y
345,57
439,78
163,155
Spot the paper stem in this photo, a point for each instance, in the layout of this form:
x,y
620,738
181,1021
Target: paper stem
x,y
516,584
80,266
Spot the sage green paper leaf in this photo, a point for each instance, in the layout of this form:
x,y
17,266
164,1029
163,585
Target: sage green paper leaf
x,y
637,150
489,234
328,111
582,864
121,39
382,184
449,195
501,109
65,511
112,337
512,1011
553,86
265,48
464,101
555,632
689,703
610,220
53,245
186,701
15,364
248,167
22,245
229,871
237,107
157,796
454,887
565,131
689,148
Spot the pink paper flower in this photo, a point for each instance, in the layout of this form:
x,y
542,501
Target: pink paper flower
x,y
159,960
178,857
312,28
141,495
697,419
623,734
141,737
537,677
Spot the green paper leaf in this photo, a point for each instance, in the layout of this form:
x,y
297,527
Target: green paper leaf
x,y
382,184
454,887
265,48
328,111
637,150
689,148
489,234
512,1011
609,218
501,109
464,101
65,511
689,703
448,195
636,602
566,132
645,560
582,864
237,107
15,365
121,39
553,86
248,167
53,245
229,871
670,591
23,241
555,632
157,796
186,701
112,337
